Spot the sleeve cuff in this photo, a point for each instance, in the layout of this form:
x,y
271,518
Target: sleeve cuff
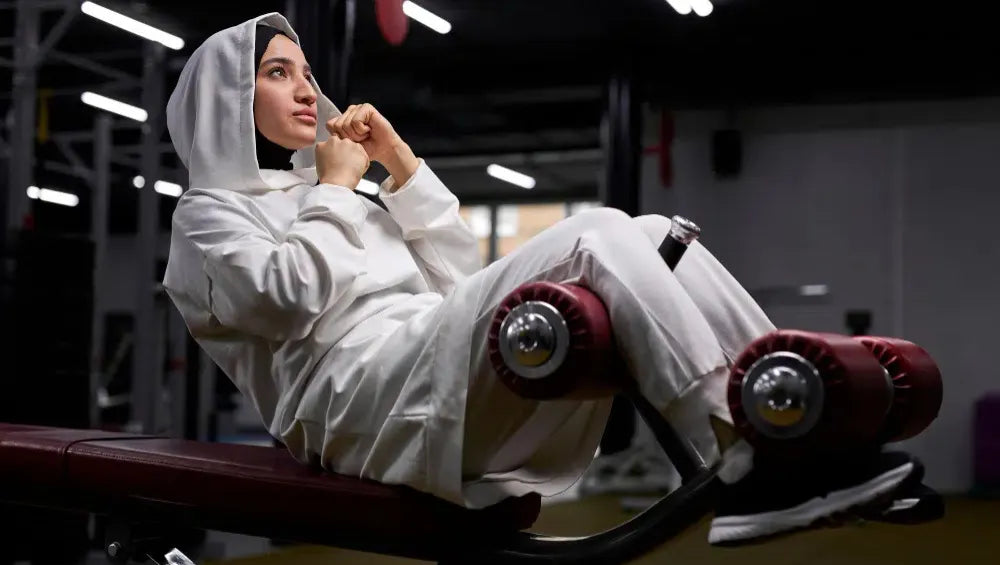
x,y
420,201
388,187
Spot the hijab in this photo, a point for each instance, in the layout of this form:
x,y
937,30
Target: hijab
x,y
270,155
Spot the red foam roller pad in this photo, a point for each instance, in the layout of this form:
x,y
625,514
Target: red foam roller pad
x,y
917,386
855,390
591,368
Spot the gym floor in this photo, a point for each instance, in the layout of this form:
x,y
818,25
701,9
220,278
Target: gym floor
x,y
969,534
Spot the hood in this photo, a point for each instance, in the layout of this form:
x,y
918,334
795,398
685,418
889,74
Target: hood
x,y
210,114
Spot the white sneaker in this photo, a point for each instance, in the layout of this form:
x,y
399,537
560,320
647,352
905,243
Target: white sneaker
x,y
639,469
779,499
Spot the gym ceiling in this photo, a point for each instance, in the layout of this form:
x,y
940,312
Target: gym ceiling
x,y
530,75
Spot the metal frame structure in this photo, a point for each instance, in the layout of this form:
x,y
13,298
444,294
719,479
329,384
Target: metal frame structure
x,y
31,51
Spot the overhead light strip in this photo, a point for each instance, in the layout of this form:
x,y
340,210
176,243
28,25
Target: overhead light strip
x,y
702,7
168,188
426,17
114,106
511,176
163,187
130,25
53,196
684,7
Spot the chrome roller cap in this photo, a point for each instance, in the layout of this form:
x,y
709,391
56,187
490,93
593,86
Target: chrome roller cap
x,y
534,339
684,230
783,395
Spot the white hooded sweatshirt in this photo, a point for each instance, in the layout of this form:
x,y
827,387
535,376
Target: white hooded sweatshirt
x,y
297,289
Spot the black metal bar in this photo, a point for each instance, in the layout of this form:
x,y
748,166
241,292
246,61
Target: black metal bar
x,y
682,454
671,250
668,517
146,368
97,68
622,144
326,35
106,88
494,237
344,17
621,191
682,233
100,197
83,171
59,30
22,135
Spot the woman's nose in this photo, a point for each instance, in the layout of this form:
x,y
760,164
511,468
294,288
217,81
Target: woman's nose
x,y
304,93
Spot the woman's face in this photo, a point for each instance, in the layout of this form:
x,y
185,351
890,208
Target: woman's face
x,y
284,103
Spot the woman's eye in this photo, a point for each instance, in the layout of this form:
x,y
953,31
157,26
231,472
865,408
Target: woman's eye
x,y
277,70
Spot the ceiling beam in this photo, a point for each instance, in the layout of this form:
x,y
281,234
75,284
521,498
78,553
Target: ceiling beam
x,y
106,87
94,67
59,30
75,162
582,192
538,158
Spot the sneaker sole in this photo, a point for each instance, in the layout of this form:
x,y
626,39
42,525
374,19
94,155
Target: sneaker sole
x,y
737,528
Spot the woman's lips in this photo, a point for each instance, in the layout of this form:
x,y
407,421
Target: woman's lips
x,y
306,118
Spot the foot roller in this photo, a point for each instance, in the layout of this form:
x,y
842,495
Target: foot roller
x,y
802,392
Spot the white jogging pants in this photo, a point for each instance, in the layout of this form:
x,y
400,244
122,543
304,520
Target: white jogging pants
x,y
678,331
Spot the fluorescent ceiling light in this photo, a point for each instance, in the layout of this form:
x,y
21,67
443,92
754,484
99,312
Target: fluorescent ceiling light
x,y
814,290
134,26
702,7
114,106
683,7
367,186
163,187
167,188
53,196
513,177
426,17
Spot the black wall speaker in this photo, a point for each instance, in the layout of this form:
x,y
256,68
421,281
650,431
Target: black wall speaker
x,y
727,153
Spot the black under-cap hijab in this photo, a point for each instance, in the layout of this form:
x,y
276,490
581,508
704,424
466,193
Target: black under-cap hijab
x,y
270,155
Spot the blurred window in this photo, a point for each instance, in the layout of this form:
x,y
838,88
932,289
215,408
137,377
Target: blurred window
x,y
574,208
478,219
517,223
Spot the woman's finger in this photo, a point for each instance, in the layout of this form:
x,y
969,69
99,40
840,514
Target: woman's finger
x,y
339,126
360,128
367,111
360,119
353,127
345,122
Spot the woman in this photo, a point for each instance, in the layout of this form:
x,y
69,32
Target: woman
x,y
359,333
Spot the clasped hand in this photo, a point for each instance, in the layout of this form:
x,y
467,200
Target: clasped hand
x,y
357,137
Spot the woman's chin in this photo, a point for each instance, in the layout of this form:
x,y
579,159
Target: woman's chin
x,y
301,142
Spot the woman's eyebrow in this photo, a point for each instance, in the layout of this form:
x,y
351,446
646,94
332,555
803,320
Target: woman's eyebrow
x,y
286,61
